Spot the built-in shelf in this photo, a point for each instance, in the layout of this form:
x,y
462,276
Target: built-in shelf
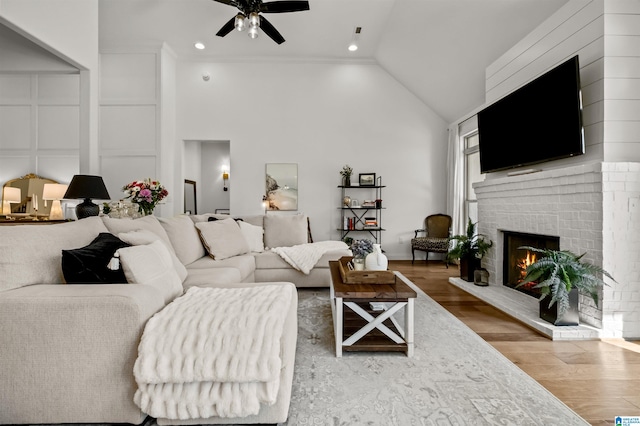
x,y
526,309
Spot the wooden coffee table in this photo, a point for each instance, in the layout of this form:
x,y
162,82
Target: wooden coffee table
x,y
360,328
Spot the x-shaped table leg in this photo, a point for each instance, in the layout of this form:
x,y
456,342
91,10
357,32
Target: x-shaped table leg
x,y
374,322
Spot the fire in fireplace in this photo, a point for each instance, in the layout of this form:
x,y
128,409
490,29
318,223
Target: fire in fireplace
x,y
515,260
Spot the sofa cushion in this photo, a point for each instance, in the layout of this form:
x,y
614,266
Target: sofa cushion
x,y
285,231
222,238
184,238
149,223
244,263
33,254
142,236
254,236
89,264
205,217
211,277
151,264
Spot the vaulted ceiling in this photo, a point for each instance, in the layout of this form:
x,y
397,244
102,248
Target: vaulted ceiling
x,y
438,49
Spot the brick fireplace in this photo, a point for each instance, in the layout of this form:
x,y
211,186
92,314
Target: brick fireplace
x,y
587,209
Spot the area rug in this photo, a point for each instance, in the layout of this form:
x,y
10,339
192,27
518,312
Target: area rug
x,y
454,377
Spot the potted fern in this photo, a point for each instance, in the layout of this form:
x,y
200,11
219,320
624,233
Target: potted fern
x,y
561,275
469,249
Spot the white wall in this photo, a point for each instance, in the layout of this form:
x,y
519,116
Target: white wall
x,y
69,29
320,116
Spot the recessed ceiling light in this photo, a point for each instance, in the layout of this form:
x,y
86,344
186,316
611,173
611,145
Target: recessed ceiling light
x,y
199,46
353,46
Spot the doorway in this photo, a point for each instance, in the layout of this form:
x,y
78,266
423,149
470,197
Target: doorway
x,y
207,163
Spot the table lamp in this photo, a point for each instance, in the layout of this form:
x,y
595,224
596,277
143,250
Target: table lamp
x,y
54,192
87,187
10,195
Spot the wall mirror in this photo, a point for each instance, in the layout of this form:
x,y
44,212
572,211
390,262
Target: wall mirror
x,y
31,187
190,199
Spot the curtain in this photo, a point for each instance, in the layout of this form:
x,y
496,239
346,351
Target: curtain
x,y
455,181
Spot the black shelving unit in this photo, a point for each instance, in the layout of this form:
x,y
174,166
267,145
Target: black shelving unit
x,y
353,218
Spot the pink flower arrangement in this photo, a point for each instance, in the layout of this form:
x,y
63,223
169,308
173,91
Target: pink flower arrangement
x,y
146,193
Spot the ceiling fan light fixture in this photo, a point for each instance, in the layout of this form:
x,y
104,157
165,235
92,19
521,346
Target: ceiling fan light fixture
x,y
254,20
253,32
239,23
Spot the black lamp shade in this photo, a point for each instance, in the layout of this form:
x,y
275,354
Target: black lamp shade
x,y
87,187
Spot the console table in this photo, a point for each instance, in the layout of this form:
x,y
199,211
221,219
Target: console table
x,y
360,327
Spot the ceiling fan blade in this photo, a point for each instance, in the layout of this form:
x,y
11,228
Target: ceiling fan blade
x,y
270,30
284,6
227,28
227,2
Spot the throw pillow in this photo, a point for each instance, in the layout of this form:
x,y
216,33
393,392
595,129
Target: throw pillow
x,y
149,223
142,237
254,236
184,238
89,264
285,231
151,264
222,238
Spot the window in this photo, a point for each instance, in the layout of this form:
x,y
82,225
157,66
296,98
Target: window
x,y
472,173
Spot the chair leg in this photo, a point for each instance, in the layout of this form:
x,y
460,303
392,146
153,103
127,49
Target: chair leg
x,y
426,257
413,255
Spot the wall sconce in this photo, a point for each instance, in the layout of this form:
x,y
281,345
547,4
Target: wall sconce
x,y
225,178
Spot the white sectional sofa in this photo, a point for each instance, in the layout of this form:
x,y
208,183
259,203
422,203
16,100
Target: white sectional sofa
x,y
68,350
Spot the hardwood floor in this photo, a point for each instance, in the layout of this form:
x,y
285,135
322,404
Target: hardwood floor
x,y
597,379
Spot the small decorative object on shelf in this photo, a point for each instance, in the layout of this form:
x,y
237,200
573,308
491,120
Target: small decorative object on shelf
x,y
346,173
146,194
367,179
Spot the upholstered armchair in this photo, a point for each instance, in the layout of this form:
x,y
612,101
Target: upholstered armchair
x,y
436,236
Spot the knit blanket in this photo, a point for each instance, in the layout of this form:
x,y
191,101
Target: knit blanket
x,y
303,257
213,352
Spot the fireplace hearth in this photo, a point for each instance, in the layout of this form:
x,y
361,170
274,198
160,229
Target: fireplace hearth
x,y
516,260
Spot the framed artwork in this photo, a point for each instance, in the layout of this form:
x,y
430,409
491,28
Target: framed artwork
x,y
367,179
281,186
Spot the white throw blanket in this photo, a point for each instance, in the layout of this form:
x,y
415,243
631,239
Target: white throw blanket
x,y
304,257
213,352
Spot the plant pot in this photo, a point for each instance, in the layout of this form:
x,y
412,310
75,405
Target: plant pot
x,y
468,265
570,316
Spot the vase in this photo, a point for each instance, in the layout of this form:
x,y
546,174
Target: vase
x,y
376,260
145,209
569,317
347,181
358,263
468,265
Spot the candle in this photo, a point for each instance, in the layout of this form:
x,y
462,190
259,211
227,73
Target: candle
x,y
35,202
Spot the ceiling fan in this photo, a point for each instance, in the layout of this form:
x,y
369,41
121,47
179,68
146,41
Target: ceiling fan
x,y
250,15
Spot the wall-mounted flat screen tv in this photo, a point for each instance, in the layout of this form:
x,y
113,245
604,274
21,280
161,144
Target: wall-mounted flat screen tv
x,y
538,122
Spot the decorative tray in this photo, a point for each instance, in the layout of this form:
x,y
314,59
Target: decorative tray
x,y
350,276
